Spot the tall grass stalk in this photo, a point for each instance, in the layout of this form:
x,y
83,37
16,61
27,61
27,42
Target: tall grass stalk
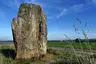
x,y
71,46
84,58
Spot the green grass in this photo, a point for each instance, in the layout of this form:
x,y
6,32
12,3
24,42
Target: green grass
x,y
6,56
74,44
60,56
61,44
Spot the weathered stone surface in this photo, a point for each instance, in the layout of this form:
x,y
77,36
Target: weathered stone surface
x,y
30,32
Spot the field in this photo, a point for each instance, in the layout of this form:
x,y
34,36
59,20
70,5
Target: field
x,y
72,44
75,45
56,54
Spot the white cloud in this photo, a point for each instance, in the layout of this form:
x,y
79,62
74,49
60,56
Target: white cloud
x,y
91,2
17,3
94,1
62,13
73,9
12,3
77,8
30,1
35,2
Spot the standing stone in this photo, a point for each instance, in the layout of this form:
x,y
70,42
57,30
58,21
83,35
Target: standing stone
x,y
30,32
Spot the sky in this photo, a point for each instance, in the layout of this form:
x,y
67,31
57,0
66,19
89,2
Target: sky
x,y
61,16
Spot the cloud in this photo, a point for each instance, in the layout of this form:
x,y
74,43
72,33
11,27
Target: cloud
x,y
93,2
73,9
77,8
30,1
16,3
63,12
34,2
12,3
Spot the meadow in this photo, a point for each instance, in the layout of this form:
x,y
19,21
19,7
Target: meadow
x,y
54,55
75,45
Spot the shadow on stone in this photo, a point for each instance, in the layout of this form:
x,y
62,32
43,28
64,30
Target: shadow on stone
x,y
9,53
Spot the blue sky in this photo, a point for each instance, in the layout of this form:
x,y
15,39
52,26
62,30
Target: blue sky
x,y
61,16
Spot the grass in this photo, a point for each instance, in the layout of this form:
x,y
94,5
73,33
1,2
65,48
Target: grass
x,y
59,56
59,44
7,54
74,44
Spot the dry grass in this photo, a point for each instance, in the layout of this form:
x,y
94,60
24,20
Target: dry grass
x,y
47,57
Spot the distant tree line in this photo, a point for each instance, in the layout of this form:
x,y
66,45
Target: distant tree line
x,y
84,40
77,40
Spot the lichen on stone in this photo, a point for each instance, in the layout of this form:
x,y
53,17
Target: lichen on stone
x,y
30,31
